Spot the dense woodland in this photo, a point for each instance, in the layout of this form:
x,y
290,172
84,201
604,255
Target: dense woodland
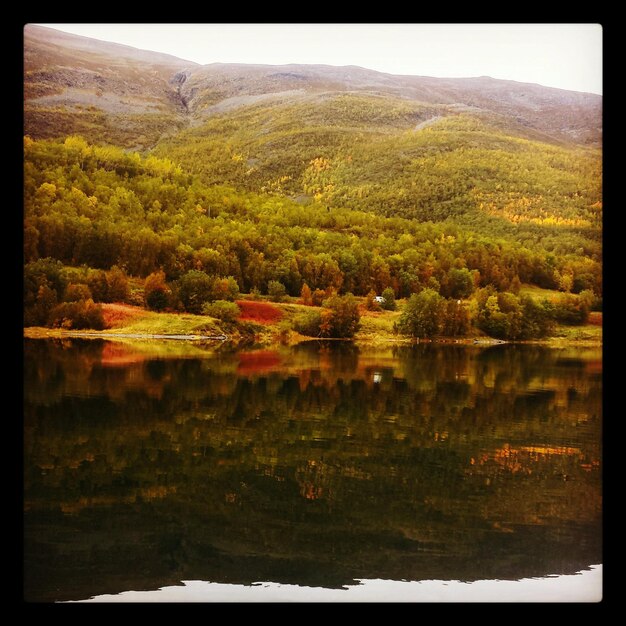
x,y
100,214
364,152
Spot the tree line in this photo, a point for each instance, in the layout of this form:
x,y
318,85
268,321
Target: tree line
x,y
67,297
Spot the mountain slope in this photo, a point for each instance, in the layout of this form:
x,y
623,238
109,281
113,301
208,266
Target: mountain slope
x,y
504,162
563,115
108,91
401,158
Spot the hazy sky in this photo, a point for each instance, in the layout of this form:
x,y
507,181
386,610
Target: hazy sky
x,y
568,56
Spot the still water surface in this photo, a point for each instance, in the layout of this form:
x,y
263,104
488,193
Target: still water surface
x,y
148,464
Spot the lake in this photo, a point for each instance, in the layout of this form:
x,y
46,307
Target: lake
x,y
315,472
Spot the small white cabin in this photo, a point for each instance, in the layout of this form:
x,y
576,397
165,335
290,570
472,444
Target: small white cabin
x,y
379,300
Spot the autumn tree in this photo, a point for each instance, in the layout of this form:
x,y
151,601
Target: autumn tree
x,y
318,297
117,282
370,301
31,239
225,289
156,292
305,295
455,319
101,207
340,317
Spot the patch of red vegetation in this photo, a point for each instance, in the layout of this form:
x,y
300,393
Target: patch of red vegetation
x,y
260,312
595,318
118,315
258,361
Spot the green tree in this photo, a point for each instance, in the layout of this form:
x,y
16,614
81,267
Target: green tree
x,y
571,309
43,271
76,292
422,315
340,317
194,289
157,299
117,282
276,290
537,318
390,299
99,286
501,315
79,315
308,323
460,283
510,305
588,299
492,321
44,285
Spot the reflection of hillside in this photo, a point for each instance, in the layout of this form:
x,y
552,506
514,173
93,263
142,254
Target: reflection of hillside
x,y
331,467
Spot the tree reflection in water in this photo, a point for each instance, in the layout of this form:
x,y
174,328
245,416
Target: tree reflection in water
x,y
315,465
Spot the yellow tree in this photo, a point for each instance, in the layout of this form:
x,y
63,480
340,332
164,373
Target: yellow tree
x,y
306,297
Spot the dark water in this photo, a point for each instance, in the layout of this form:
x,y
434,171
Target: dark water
x,y
149,464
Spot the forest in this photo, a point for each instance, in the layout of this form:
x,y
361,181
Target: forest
x,y
98,216
480,171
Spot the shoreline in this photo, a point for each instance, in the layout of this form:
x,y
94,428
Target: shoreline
x,y
37,332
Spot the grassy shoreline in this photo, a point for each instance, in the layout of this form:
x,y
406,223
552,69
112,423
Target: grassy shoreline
x,y
377,330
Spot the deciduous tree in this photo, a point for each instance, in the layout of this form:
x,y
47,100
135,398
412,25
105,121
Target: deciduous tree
x,y
422,315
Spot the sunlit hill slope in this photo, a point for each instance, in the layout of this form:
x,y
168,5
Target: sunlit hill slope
x,y
511,169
